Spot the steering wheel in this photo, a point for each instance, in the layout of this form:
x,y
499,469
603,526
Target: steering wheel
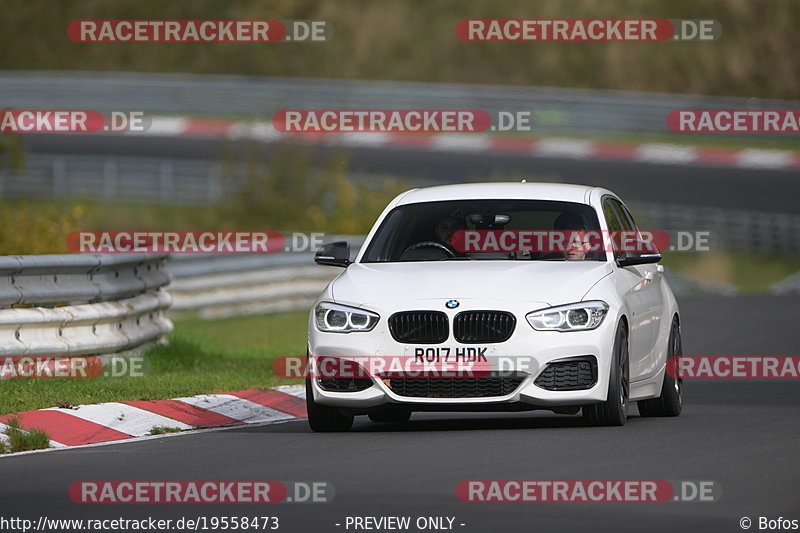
x,y
429,244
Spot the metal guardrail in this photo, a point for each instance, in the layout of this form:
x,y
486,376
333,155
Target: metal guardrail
x,y
737,230
143,179
82,304
190,182
553,109
227,285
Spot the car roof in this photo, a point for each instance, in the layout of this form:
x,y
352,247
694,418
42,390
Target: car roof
x,y
517,191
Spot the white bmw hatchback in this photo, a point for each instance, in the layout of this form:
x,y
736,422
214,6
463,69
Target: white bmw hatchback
x,y
453,304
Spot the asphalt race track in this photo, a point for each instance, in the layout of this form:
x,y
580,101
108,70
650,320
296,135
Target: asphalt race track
x,y
771,190
743,435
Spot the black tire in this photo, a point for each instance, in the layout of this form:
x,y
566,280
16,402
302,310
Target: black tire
x,y
670,402
614,411
390,414
324,418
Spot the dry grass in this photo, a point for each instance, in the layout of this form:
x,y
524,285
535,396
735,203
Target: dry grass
x,y
712,266
282,192
415,40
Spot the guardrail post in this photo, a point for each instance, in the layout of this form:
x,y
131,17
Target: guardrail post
x,y
213,183
110,179
167,183
59,177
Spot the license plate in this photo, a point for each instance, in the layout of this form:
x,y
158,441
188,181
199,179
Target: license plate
x,y
446,354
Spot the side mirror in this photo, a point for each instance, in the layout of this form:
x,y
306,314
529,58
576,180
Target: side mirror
x,y
334,254
639,253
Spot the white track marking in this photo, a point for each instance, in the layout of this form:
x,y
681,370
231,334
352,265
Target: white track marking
x,y
364,138
164,126
294,390
665,153
260,131
461,142
764,158
563,147
124,418
236,408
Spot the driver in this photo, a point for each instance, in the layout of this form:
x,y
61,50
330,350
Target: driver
x,y
577,241
447,227
443,233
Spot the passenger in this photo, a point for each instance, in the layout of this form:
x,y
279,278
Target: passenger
x,y
576,241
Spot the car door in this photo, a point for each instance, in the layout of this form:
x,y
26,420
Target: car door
x,y
642,289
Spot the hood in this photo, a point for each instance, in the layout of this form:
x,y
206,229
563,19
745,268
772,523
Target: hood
x,y
548,282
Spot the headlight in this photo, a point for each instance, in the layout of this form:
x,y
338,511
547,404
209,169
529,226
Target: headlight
x,y
342,319
573,317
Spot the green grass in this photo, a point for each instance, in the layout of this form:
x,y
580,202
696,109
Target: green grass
x,y
162,430
22,441
202,357
750,273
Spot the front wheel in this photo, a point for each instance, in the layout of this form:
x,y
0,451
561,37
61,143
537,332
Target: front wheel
x,y
325,418
670,402
614,411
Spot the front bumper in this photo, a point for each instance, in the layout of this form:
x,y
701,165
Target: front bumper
x,y
527,350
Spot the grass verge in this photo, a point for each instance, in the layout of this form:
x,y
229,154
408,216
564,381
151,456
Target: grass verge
x,y
19,440
202,357
749,273
163,430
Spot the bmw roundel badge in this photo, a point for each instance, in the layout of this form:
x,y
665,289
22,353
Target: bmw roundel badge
x,y
451,304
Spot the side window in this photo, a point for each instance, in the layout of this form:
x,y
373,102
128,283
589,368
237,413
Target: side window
x,y
626,215
629,226
612,218
622,214
618,223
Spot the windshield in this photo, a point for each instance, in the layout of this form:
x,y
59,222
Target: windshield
x,y
514,230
